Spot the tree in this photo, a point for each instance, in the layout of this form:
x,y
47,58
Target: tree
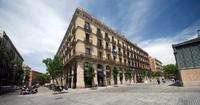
x,y
115,73
55,68
25,76
170,70
128,75
44,78
91,74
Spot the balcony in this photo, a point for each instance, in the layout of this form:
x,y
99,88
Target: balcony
x,y
87,29
128,49
113,41
99,34
124,47
107,39
73,30
108,49
120,53
125,55
119,44
100,46
73,43
88,41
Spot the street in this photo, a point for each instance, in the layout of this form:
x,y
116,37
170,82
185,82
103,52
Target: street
x,y
134,94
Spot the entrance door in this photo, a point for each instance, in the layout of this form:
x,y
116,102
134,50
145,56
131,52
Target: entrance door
x,y
100,75
87,80
108,75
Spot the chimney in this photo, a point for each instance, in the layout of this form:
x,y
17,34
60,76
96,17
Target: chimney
x,y
198,33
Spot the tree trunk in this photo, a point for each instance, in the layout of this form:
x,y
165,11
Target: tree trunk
x,y
92,82
57,82
61,80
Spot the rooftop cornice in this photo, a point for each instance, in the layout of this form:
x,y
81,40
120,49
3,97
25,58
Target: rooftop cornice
x,y
85,14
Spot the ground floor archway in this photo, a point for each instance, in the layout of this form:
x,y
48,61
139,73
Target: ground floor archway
x,y
100,75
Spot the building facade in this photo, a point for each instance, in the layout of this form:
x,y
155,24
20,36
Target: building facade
x,y
187,56
10,62
90,42
34,77
155,64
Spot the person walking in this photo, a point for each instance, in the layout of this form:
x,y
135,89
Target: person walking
x,y
158,80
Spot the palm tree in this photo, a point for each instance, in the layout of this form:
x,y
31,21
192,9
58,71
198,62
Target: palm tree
x,y
115,73
91,74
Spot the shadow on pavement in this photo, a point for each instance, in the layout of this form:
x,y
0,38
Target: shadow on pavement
x,y
177,84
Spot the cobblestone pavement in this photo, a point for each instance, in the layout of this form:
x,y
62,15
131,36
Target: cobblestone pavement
x,y
135,94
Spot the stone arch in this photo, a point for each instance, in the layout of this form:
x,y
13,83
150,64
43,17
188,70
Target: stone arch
x,y
100,75
87,79
108,74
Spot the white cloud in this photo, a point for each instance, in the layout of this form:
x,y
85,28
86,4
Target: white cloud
x,y
161,48
36,27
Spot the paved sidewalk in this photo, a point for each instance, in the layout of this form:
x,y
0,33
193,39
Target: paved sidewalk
x,y
134,94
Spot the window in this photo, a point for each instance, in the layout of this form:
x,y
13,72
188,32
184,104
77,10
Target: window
x,y
86,66
106,35
114,49
107,45
108,56
99,42
74,51
87,25
120,60
99,54
119,49
87,36
114,58
88,51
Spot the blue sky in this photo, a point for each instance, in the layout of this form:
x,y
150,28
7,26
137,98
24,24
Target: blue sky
x,y
37,27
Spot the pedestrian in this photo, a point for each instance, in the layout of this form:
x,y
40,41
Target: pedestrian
x,y
158,80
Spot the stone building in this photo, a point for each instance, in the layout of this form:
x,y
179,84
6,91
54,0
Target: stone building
x,y
34,77
88,41
187,56
10,62
155,64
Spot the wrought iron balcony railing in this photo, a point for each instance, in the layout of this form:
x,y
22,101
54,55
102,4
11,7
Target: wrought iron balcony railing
x,y
88,41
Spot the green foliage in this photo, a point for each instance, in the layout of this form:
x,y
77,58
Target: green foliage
x,y
91,71
55,67
170,70
26,76
128,74
14,62
44,78
115,72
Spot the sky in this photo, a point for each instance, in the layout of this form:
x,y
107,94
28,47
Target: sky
x,y
37,27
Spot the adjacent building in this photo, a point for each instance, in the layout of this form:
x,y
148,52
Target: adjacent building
x,y
34,77
155,64
187,56
88,41
10,62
